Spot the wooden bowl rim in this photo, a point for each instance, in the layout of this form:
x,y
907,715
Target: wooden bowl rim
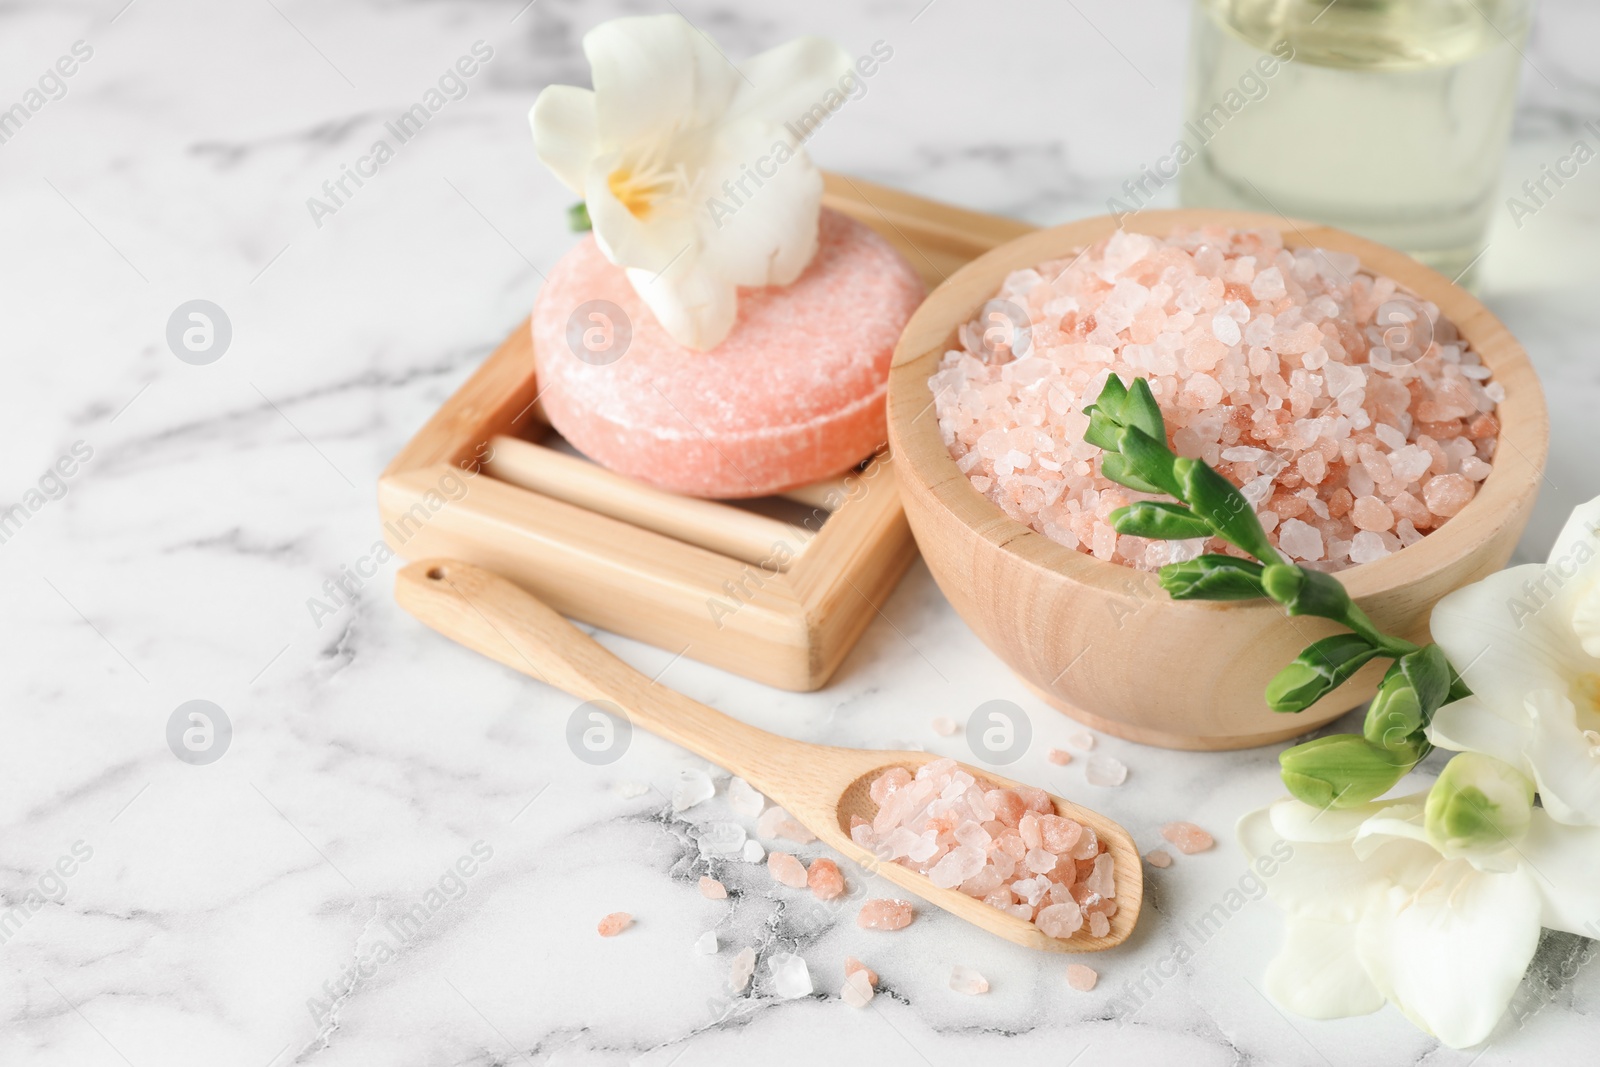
x,y
921,453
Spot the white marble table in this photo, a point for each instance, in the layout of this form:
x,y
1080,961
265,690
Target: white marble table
x,y
209,909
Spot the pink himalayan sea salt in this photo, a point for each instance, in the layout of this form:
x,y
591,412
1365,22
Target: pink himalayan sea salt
x,y
883,914
741,969
775,822
1081,978
1290,371
853,965
945,726
614,924
968,981
857,990
786,869
1059,756
1008,848
1158,858
712,889
1188,837
825,879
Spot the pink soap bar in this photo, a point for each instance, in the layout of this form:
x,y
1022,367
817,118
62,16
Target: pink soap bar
x,y
794,394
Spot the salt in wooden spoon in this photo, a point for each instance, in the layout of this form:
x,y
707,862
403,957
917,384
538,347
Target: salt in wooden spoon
x,y
821,786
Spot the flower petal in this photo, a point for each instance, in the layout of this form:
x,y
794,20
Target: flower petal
x,y
1451,955
654,76
782,85
1509,638
696,306
1470,725
651,243
563,121
1318,973
763,227
1561,861
1582,528
1558,758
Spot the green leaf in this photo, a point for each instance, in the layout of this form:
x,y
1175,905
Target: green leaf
x,y
1320,668
1149,460
1343,770
1160,520
1118,469
1112,396
1220,503
578,218
1141,410
1104,431
1212,577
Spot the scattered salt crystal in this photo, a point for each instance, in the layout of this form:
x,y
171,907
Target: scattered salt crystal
x,y
744,799
1082,740
1188,837
881,914
825,879
968,981
628,790
854,966
753,852
1099,925
712,889
775,822
706,943
740,970
791,978
786,869
1081,978
694,787
615,923
1158,858
721,838
1059,756
857,990
1105,770
945,726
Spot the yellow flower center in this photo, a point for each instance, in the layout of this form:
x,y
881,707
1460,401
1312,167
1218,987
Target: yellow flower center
x,y
638,192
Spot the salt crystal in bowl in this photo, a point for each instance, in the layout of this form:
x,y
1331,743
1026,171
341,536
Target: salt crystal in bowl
x,y
1100,640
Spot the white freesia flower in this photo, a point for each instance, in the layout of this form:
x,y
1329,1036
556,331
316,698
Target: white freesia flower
x,y
691,168
1376,912
1527,640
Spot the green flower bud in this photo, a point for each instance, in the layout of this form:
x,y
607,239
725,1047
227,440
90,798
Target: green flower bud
x,y
1160,520
1212,577
1320,668
1343,770
578,217
1149,459
1395,715
1478,802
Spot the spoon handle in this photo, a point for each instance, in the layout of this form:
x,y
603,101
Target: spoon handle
x,y
491,615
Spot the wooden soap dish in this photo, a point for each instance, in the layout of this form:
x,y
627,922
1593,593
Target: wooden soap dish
x,y
780,598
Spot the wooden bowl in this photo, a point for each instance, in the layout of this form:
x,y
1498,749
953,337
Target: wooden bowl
x,y
1101,641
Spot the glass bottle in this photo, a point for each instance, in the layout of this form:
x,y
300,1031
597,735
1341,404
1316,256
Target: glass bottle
x,y
1388,118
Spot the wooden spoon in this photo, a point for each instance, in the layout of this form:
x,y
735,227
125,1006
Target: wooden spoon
x,y
821,786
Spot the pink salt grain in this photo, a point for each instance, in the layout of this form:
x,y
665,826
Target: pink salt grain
x,y
1059,756
1081,978
793,394
1187,837
786,869
857,990
853,966
882,914
825,879
1273,365
712,889
1158,858
615,923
